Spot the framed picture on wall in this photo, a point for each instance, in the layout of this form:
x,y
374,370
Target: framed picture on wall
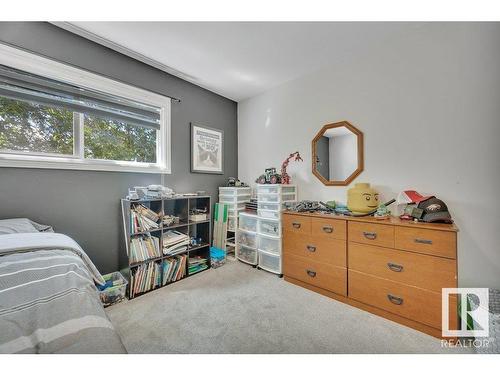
x,y
207,145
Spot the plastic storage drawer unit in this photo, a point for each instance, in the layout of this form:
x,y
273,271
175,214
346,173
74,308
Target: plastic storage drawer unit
x,y
270,262
247,239
248,222
269,198
246,254
270,244
270,227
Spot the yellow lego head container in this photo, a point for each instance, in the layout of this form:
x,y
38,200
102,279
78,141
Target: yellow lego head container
x,y
362,199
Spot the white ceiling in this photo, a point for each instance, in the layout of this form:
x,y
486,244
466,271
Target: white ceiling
x,y
240,59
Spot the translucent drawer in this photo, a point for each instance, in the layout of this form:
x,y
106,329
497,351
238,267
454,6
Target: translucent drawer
x,y
231,212
288,197
269,206
268,214
246,254
271,198
267,189
270,227
247,239
288,189
235,191
270,244
269,262
248,222
234,198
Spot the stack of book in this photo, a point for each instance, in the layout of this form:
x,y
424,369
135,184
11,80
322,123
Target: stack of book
x,y
144,247
174,268
145,278
175,242
197,264
143,219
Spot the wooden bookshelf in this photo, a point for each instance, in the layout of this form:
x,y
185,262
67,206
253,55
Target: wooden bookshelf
x,y
178,206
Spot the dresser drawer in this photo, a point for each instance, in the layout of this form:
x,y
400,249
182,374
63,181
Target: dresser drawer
x,y
410,302
427,241
328,228
424,271
370,233
316,248
296,224
319,274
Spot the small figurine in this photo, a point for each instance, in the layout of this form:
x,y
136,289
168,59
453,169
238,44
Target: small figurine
x,y
269,177
285,177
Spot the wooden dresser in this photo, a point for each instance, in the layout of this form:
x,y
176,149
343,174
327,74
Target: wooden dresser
x,y
392,268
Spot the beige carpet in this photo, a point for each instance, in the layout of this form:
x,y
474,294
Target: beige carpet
x,y
239,309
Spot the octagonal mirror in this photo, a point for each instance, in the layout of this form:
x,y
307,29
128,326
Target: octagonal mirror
x,y
337,153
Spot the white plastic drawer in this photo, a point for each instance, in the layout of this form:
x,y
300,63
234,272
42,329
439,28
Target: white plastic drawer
x,y
268,198
270,227
267,189
234,198
269,262
269,214
235,191
246,254
247,239
288,197
248,222
270,244
269,206
288,189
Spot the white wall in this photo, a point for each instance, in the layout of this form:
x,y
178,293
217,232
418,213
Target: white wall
x,y
428,102
343,156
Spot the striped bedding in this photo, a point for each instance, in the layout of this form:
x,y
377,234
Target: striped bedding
x,y
48,299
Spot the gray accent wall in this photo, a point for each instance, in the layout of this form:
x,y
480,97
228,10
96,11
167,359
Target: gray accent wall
x,y
85,204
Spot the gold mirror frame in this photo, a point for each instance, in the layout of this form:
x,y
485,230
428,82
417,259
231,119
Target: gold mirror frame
x,y
359,136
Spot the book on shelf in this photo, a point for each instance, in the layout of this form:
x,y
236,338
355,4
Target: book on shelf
x,y
197,264
174,268
143,219
145,277
143,248
175,242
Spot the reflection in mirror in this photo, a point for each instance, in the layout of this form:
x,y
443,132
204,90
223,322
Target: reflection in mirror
x,y
337,154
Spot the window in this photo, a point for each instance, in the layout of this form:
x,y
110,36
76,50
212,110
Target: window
x,y
55,116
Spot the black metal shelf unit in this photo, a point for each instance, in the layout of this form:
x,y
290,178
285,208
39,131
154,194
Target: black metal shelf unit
x,y
177,206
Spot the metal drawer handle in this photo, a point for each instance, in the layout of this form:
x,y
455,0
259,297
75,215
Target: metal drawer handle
x,y
395,267
370,235
296,225
311,248
395,300
421,240
311,273
328,229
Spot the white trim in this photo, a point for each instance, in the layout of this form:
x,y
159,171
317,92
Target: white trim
x,y
35,64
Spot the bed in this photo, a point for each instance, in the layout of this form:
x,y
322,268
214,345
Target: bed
x,y
48,299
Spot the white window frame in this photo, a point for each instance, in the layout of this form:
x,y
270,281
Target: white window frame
x,y
42,66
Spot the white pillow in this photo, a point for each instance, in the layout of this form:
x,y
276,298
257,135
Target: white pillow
x,y
23,225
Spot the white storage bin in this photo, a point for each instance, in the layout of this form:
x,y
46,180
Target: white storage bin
x,y
270,244
247,239
288,189
235,191
231,212
270,227
288,197
268,189
227,199
269,262
247,254
269,214
248,222
268,206
269,198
